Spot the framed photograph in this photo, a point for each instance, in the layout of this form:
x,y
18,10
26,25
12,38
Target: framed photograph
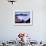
x,y
23,18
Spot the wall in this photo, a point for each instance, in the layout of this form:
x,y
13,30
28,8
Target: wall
x,y
9,31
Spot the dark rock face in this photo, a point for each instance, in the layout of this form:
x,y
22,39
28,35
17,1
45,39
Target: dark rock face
x,y
28,21
44,45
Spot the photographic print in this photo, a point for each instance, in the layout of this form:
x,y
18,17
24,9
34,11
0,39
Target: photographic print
x,y
23,18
